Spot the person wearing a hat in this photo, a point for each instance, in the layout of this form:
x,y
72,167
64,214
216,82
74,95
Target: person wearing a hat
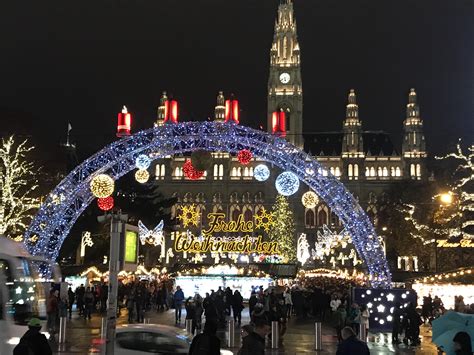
x,y
33,342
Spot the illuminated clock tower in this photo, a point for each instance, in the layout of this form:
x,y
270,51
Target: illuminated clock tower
x,y
285,90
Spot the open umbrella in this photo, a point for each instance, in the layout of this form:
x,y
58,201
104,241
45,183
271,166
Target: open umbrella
x,y
448,325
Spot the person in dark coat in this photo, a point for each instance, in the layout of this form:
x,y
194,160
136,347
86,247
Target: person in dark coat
x,y
206,343
178,299
237,306
228,300
191,312
350,345
33,342
397,323
462,344
254,342
71,297
253,300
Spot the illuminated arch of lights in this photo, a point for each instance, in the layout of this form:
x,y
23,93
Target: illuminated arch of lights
x,y
53,221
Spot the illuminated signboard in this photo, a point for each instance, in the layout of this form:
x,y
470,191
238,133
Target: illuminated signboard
x,y
131,243
238,236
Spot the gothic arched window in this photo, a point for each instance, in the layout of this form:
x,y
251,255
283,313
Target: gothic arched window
x,y
309,219
322,217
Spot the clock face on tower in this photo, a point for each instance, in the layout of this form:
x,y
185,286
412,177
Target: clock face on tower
x,y
284,78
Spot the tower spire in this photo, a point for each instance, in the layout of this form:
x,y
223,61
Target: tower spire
x,y
352,144
285,90
219,110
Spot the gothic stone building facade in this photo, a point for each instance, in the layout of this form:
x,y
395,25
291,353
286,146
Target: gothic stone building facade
x,y
365,161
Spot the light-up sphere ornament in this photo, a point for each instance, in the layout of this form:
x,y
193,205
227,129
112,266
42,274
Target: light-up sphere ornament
x,y
309,199
105,204
142,162
244,156
142,176
191,172
102,186
287,183
261,172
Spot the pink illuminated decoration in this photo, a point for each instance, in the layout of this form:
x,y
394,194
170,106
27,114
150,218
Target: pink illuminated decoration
x,y
227,110
167,110
190,172
275,122
282,125
124,123
244,156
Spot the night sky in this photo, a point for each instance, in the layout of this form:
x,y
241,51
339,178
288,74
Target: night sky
x,y
80,61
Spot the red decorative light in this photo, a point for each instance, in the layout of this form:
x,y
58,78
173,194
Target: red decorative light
x,y
191,172
124,123
105,204
279,123
174,111
244,156
232,111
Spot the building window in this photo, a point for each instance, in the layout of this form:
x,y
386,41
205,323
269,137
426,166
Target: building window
x,y
418,171
379,171
248,216
392,171
350,171
322,218
309,219
356,172
331,169
412,171
337,172
178,172
372,171
385,171
218,171
367,171
160,171
398,171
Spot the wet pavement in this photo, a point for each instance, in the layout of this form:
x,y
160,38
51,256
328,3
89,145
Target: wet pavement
x,y
299,339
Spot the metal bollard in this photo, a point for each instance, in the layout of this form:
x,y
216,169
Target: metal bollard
x,y
103,328
318,336
62,330
362,332
275,335
189,326
146,320
231,333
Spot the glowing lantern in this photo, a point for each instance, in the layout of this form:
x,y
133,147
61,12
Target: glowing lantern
x,y
142,176
142,162
105,204
124,123
102,186
261,172
191,172
244,156
287,183
309,199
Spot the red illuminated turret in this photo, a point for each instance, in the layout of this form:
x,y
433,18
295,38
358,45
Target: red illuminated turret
x,y
124,123
167,111
232,112
279,123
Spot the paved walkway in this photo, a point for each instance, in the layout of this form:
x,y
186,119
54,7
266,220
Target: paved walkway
x,y
299,339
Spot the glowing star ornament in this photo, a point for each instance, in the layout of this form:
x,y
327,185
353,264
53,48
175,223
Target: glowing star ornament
x,y
106,203
244,156
102,186
189,215
310,199
390,297
154,237
190,172
264,219
287,183
380,308
142,162
142,176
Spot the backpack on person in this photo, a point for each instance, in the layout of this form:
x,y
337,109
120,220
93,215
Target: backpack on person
x,y
23,348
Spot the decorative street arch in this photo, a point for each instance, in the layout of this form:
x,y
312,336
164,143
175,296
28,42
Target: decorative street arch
x,y
68,200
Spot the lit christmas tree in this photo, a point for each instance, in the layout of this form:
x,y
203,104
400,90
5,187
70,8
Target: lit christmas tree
x,y
17,183
283,230
454,217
